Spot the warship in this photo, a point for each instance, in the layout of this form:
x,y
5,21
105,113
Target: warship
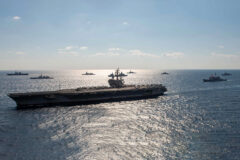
x,y
41,77
226,74
88,74
164,73
131,72
117,91
17,74
214,78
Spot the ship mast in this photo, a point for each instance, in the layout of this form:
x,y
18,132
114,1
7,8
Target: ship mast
x,y
117,73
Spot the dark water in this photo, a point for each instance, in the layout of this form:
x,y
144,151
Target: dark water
x,y
194,120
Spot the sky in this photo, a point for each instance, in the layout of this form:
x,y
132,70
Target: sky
x,y
130,34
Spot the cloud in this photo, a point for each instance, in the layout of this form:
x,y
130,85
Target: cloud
x,y
69,47
83,48
16,18
113,54
72,50
220,46
100,54
137,52
113,49
174,54
106,54
76,47
20,53
68,52
224,55
110,52
74,53
125,23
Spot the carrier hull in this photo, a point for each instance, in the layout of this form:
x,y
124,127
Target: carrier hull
x,y
86,96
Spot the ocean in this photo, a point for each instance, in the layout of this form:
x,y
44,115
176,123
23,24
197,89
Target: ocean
x,y
192,121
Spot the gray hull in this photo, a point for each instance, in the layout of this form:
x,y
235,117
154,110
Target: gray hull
x,y
220,80
86,96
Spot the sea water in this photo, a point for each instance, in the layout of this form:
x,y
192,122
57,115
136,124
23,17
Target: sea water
x,y
193,120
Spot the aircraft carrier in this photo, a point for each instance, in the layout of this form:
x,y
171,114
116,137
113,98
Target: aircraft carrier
x,y
116,92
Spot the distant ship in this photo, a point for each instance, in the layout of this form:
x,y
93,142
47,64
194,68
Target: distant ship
x,y
226,74
88,73
17,74
122,74
41,77
131,72
117,91
214,78
164,73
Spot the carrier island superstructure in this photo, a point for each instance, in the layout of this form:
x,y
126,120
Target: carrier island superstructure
x,y
117,91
